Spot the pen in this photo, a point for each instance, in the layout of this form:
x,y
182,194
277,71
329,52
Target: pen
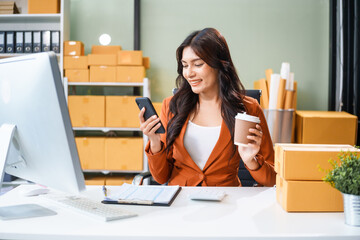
x,y
104,189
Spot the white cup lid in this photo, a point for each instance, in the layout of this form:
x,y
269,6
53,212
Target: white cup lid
x,y
246,117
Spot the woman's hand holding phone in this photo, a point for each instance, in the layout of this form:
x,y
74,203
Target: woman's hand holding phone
x,y
149,128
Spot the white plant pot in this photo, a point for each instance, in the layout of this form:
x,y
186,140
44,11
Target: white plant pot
x,y
352,209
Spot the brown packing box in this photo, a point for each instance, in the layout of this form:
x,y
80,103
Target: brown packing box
x,y
322,127
118,180
146,62
77,75
43,6
122,154
130,74
157,106
302,161
99,49
91,152
102,73
122,111
102,59
73,48
308,196
108,180
76,62
130,58
95,180
87,111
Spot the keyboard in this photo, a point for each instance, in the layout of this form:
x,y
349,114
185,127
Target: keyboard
x,y
207,194
89,207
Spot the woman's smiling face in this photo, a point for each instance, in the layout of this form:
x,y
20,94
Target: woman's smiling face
x,y
201,77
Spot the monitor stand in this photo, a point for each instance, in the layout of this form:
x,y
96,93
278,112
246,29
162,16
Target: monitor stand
x,y
10,154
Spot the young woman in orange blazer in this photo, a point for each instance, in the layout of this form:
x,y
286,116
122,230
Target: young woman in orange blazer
x,y
198,148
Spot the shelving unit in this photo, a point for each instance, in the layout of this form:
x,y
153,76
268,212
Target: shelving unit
x,y
146,93
39,22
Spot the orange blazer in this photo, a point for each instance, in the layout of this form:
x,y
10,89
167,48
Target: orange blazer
x,y
221,168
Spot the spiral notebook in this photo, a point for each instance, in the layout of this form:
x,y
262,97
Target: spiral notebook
x,y
142,195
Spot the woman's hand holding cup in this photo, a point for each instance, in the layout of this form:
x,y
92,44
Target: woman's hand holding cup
x,y
248,137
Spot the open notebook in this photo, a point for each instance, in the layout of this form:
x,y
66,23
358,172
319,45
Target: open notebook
x,y
142,195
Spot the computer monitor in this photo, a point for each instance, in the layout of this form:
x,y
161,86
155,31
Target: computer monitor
x,y
36,137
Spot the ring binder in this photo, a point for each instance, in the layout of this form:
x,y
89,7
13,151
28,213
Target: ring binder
x,y
10,42
19,42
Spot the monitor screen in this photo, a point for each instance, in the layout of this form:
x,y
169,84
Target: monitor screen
x,y
34,121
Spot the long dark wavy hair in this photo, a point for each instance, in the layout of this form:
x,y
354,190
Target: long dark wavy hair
x,y
212,48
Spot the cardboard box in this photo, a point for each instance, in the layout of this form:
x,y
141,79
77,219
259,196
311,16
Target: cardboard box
x,y
73,48
308,196
118,180
102,59
122,111
124,154
146,62
102,74
87,111
130,58
157,106
91,152
43,6
322,127
302,161
76,62
99,49
130,74
77,75
95,180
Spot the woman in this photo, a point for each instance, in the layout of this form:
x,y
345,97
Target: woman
x,y
198,146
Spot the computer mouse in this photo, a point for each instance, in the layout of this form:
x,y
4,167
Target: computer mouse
x,y
36,190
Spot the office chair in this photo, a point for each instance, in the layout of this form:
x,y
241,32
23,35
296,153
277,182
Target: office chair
x,y
244,175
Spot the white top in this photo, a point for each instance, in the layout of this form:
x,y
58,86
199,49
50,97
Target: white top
x,y
199,141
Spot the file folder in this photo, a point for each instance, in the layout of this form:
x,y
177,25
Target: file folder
x,y
10,39
19,42
2,42
55,41
45,41
36,41
28,42
153,195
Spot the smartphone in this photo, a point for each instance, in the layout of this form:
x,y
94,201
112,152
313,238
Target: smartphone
x,y
149,110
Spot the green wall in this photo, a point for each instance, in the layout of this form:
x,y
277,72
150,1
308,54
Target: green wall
x,y
261,34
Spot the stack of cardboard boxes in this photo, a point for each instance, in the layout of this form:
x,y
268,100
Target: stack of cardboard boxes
x,y
105,64
300,169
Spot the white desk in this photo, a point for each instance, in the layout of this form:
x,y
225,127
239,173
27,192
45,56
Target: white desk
x,y
246,213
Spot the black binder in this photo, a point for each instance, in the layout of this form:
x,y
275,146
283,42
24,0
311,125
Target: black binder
x,y
36,42
19,47
45,41
28,42
2,42
10,41
55,41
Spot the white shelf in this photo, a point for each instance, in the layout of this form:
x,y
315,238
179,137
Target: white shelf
x,y
105,84
105,129
39,22
6,55
146,93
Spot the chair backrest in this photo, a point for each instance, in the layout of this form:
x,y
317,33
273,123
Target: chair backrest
x,y
244,175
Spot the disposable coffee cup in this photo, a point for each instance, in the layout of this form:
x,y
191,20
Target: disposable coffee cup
x,y
243,122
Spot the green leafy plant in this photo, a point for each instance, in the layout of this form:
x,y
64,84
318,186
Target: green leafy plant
x,y
345,175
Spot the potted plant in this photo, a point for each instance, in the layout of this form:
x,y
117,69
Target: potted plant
x,y
345,177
